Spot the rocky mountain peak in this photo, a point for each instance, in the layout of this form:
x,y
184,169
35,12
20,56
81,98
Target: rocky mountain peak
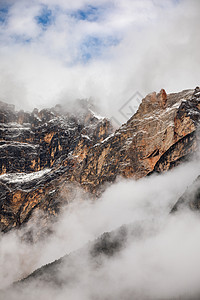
x,y
55,147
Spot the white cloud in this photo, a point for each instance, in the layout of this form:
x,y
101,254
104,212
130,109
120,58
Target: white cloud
x,y
162,263
21,20
158,48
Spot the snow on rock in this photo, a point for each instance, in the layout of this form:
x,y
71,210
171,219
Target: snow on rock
x,y
97,116
23,177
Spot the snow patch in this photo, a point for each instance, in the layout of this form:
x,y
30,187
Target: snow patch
x,y
99,117
23,177
18,144
85,136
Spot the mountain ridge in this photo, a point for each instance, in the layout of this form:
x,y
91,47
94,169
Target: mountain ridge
x,y
83,150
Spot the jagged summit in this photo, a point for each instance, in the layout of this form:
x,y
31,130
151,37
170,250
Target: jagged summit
x,y
154,138
55,146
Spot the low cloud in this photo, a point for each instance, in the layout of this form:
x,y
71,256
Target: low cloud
x,y
163,263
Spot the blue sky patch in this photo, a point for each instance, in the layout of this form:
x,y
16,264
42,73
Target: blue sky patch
x,y
45,18
3,13
89,13
93,46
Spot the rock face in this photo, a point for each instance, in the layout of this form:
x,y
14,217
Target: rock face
x,y
38,155
43,150
156,138
42,139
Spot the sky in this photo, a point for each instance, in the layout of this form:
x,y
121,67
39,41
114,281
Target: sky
x,y
54,51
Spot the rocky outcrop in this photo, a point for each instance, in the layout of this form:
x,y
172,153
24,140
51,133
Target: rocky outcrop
x,y
43,151
42,139
156,138
39,153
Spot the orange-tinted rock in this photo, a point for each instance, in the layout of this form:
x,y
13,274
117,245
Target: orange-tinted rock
x,y
86,151
47,139
157,137
163,98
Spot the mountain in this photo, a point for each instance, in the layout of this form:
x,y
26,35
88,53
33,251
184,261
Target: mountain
x,y
44,152
75,271
156,138
39,152
190,198
69,270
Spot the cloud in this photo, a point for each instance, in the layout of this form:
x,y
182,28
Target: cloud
x,y
56,50
162,263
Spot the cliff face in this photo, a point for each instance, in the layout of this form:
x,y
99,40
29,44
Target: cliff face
x,y
156,138
39,153
52,147
45,139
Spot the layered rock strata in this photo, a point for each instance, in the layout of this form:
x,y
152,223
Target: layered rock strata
x,y
43,151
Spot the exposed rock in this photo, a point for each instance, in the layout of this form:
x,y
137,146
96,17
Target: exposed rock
x,y
154,139
39,153
163,98
56,147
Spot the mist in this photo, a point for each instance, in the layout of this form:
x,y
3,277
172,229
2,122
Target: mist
x,y
161,264
54,51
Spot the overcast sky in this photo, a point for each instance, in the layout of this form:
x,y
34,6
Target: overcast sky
x,y
58,50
